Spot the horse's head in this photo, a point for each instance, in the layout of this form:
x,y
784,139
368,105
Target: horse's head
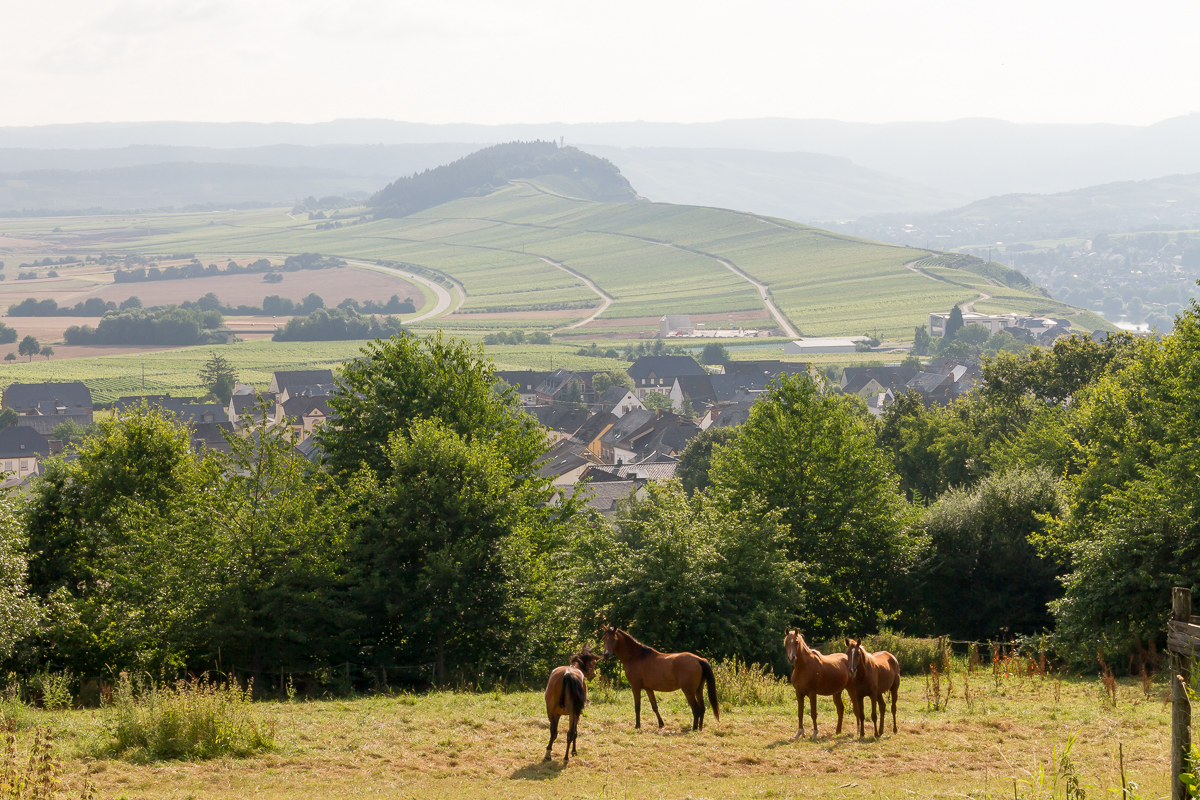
x,y
792,644
585,662
855,652
609,636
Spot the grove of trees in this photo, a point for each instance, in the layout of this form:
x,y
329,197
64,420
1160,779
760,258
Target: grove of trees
x,y
1058,501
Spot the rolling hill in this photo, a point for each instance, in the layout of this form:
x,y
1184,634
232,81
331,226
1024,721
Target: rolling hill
x,y
567,169
529,256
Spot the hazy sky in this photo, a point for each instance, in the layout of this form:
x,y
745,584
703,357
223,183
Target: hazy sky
x,y
493,61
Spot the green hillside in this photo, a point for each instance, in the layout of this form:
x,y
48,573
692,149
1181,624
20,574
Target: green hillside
x,y
649,258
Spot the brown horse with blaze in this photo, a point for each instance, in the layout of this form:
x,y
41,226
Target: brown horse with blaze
x,y
566,695
815,674
872,674
646,668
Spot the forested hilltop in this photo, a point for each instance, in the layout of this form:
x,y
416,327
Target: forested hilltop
x,y
573,171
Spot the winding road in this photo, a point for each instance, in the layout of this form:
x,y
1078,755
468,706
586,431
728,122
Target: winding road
x,y
606,300
444,299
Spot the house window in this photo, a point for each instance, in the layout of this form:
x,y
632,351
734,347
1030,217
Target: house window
x,y
8,466
24,464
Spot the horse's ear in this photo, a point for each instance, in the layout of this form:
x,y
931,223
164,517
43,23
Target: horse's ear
x,y
847,642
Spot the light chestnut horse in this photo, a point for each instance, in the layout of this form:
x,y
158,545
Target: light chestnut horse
x,y
872,674
646,668
815,674
566,695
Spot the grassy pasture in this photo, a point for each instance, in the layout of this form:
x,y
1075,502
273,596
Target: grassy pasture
x,y
452,744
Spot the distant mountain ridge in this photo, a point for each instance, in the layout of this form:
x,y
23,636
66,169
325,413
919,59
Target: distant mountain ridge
x,y
576,173
171,185
1169,203
974,157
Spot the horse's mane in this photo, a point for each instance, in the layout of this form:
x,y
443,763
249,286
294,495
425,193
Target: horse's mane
x,y
638,648
585,659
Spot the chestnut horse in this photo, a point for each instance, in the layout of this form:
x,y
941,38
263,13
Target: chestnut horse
x,y
872,674
814,674
566,695
646,668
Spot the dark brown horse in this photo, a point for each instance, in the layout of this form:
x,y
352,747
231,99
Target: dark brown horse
x,y
566,695
646,668
872,674
814,674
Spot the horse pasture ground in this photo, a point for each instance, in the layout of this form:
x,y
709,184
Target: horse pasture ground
x,y
1010,737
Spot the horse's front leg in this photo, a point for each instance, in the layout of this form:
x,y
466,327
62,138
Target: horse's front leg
x,y
812,699
637,706
654,705
874,725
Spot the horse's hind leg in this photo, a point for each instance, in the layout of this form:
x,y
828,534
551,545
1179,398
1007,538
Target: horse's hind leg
x,y
837,701
696,703
571,732
553,735
874,724
879,726
654,705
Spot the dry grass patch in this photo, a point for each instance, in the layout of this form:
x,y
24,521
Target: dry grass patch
x,y
447,744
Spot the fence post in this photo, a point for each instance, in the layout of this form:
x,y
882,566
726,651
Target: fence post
x,y
1181,708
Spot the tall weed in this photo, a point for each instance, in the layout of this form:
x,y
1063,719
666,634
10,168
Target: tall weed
x,y
39,777
188,719
741,684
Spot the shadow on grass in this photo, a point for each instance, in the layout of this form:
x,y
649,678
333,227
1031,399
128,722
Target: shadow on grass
x,y
541,771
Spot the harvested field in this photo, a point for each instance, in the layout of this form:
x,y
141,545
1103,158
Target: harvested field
x,y
447,744
333,285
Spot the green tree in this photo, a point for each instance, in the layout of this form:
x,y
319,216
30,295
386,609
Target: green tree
x,y
398,381
696,459
46,351
602,381
85,518
219,377
433,585
657,402
20,613
813,456
954,324
69,433
8,417
690,574
714,353
922,342
982,577
29,347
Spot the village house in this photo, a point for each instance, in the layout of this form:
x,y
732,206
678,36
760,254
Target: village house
x,y
657,374
524,381
559,420
564,386
618,401
45,406
22,449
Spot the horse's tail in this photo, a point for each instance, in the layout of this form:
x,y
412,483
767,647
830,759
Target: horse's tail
x,y
708,677
574,686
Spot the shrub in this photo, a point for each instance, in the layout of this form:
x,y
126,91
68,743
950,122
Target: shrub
x,y
915,655
742,684
190,719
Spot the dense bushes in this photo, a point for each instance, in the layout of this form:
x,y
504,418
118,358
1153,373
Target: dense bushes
x,y
171,325
197,270
335,324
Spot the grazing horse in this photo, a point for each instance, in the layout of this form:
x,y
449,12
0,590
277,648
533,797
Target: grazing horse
x,y
872,674
566,695
646,668
814,674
